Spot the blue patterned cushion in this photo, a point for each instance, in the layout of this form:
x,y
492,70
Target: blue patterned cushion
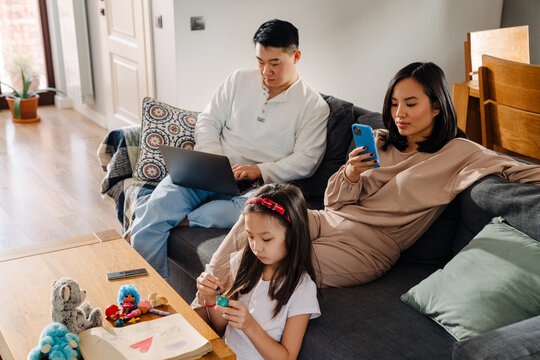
x,y
162,124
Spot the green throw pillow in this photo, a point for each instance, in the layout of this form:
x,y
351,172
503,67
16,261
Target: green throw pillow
x,y
494,281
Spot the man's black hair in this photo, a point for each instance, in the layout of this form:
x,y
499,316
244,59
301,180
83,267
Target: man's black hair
x,y
277,33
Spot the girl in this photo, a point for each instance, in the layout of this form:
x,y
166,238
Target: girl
x,y
272,290
372,214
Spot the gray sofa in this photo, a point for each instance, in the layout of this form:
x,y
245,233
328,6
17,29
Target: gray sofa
x,y
370,321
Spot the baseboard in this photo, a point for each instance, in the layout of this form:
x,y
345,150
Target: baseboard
x,y
92,114
62,102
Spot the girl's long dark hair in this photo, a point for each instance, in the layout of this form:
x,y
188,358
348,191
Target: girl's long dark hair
x,y
298,259
432,79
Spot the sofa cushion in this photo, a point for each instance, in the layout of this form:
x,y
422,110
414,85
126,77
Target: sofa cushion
x,y
518,204
518,341
370,322
435,245
338,137
466,215
162,124
193,247
343,115
491,283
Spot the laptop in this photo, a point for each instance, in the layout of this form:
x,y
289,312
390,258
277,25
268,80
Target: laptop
x,y
200,170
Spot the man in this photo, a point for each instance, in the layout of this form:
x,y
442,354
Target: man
x,y
269,123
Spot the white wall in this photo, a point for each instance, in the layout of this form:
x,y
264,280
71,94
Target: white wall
x,y
95,110
96,54
165,51
525,12
350,48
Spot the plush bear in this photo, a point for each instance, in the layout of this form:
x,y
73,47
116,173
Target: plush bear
x,y
56,343
68,307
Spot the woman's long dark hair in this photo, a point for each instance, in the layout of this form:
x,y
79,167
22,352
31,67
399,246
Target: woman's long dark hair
x,y
298,260
432,79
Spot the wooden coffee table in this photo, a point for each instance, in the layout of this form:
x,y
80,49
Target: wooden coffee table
x,y
27,276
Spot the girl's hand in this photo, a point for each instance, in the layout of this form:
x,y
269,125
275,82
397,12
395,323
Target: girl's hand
x,y
207,285
356,164
237,315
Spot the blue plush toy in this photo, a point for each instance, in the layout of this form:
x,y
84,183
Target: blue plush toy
x,y
56,343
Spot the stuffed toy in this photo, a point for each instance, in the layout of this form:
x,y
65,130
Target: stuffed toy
x,y
68,307
144,306
156,300
130,306
56,343
128,298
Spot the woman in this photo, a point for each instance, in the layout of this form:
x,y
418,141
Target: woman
x,y
373,214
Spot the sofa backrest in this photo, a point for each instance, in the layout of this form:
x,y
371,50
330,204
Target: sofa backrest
x,y
518,204
343,115
470,211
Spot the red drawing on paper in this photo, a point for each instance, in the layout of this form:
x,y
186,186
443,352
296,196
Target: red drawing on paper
x,y
143,345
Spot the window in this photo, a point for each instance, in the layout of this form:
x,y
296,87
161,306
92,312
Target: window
x,y
25,44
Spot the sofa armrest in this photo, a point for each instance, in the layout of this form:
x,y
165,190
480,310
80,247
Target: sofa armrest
x,y
512,342
518,204
118,154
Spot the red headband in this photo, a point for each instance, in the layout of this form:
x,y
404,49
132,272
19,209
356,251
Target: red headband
x,y
271,205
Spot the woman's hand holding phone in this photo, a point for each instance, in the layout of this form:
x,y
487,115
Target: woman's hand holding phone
x,y
365,156
357,163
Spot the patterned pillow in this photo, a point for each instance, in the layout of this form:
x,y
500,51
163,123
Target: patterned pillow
x,y
162,124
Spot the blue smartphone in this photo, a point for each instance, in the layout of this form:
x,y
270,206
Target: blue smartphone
x,y
363,136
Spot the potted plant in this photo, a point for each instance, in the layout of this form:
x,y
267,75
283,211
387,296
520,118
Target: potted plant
x,y
21,63
23,103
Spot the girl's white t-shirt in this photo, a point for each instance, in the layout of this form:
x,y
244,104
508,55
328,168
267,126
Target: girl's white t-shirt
x,y
302,301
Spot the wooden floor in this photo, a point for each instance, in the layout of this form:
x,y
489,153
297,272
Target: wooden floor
x,y
50,179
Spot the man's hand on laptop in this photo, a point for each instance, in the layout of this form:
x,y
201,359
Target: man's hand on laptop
x,y
246,172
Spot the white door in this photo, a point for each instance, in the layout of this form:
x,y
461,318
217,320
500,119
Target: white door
x,y
127,59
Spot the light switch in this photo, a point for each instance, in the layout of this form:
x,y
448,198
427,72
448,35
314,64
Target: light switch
x,y
158,21
197,23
